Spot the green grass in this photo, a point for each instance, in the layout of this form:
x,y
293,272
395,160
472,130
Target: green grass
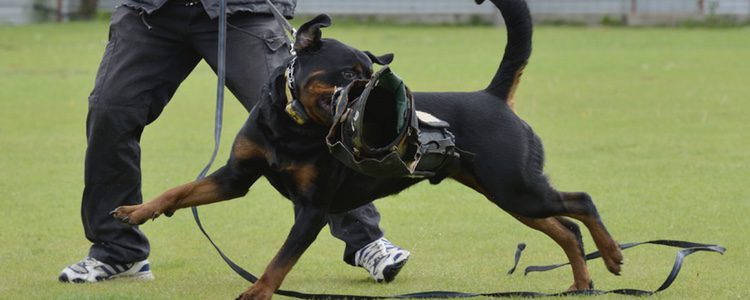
x,y
651,122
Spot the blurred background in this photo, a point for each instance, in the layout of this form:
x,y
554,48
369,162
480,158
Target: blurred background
x,y
590,12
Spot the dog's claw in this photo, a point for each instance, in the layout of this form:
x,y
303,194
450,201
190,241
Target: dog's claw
x,y
125,219
113,212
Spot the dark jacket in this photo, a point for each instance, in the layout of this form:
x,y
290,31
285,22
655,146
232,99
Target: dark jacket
x,y
286,7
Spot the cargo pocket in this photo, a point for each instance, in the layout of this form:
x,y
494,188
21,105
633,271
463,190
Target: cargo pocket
x,y
104,68
109,51
277,50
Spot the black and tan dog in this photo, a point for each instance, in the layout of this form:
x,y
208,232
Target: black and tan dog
x,y
507,166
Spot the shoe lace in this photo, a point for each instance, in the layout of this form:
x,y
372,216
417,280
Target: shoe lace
x,y
92,263
89,261
374,254
84,265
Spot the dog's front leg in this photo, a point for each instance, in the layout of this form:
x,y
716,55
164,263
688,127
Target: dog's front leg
x,y
226,183
307,224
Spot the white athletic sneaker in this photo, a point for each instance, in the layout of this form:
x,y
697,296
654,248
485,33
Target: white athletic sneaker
x,y
382,259
92,270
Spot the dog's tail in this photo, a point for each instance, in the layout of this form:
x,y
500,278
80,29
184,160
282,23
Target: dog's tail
x,y
517,50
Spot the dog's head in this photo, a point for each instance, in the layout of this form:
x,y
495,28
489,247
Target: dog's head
x,y
322,65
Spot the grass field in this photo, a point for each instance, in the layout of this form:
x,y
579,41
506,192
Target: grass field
x,y
653,123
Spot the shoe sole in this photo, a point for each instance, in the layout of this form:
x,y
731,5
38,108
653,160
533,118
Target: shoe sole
x,y
142,276
390,272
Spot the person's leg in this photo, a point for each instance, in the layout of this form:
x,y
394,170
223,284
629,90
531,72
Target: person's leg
x,y
357,228
365,245
144,62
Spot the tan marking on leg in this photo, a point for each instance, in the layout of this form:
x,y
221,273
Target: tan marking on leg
x,y
568,242
608,247
271,279
304,176
199,192
244,149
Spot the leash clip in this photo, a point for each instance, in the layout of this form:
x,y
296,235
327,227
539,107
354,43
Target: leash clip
x,y
285,25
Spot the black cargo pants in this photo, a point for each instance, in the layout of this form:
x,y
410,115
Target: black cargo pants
x,y
146,59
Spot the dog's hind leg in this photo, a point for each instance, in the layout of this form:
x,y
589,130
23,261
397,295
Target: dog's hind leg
x,y
540,201
563,231
569,239
580,207
573,227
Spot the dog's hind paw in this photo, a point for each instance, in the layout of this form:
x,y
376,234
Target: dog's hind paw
x,y
613,259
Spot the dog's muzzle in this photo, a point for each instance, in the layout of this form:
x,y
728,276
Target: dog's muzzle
x,y
378,132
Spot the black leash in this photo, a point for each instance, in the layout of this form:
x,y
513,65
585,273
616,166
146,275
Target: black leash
x,y
218,121
687,247
221,74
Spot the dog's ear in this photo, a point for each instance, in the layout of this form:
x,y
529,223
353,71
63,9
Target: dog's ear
x,y
381,60
308,35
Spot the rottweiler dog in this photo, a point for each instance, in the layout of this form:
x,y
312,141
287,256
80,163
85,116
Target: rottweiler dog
x,y
507,166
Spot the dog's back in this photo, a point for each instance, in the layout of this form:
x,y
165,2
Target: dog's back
x,y
484,122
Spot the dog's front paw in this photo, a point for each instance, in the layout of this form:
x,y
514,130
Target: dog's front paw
x,y
134,214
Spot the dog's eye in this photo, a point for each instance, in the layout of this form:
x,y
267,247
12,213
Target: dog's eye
x,y
349,75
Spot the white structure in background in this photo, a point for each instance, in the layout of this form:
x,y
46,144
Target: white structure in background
x,y
16,11
416,11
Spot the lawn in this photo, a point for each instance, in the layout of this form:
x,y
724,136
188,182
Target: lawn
x,y
651,122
